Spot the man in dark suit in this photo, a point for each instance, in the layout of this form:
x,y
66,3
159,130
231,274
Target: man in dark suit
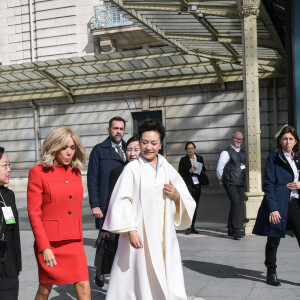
x,y
132,153
188,171
104,157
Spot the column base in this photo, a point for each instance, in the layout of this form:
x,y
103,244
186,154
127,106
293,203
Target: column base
x,y
251,206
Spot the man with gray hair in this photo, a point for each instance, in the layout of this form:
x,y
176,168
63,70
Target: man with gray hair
x,y
231,172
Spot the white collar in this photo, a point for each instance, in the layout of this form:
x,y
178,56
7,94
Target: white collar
x,y
114,144
235,148
290,156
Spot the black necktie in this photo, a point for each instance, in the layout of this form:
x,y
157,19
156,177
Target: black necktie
x,y
120,152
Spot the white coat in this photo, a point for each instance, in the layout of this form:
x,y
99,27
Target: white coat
x,y
145,273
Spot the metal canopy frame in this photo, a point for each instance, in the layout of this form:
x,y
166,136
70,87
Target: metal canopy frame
x,y
203,46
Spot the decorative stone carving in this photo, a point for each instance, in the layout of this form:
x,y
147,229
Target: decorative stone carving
x,y
248,7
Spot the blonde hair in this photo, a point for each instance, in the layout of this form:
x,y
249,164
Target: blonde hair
x,y
55,141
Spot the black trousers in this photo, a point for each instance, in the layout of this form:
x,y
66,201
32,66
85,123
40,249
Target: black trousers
x,y
9,288
236,196
195,191
293,222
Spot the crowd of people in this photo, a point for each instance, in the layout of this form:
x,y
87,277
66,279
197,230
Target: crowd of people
x,y
139,201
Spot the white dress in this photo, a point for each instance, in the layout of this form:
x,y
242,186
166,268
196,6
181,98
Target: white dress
x,y
137,203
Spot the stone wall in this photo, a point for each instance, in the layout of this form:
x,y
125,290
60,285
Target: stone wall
x,y
60,29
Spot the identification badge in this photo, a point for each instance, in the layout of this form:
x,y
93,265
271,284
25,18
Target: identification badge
x,y
8,215
243,167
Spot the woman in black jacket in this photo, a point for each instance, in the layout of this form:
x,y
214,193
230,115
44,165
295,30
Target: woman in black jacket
x,y
280,208
189,172
10,249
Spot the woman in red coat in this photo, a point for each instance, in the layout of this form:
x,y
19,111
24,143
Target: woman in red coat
x,y
54,196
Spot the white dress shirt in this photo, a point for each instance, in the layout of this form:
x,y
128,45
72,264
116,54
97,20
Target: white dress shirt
x,y
193,162
223,160
290,159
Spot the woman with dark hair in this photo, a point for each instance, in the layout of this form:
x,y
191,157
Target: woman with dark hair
x,y
54,202
149,201
191,167
10,248
280,209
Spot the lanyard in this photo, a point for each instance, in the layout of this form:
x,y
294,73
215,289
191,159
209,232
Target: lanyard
x,y
2,201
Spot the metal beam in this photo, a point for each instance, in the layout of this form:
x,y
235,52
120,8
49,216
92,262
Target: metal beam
x,y
224,58
265,18
219,74
216,10
61,86
30,95
215,34
265,43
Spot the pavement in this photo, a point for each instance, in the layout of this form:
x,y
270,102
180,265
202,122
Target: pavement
x,y
215,266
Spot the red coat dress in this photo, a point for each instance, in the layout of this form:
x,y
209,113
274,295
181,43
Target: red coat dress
x,y
54,207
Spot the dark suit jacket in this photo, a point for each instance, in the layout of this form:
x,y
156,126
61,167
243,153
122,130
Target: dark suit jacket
x,y
13,264
278,173
184,169
103,159
113,178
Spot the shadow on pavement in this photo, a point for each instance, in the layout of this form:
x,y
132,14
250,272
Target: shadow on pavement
x,y
224,271
219,233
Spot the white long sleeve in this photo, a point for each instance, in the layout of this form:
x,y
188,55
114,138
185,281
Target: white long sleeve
x,y
223,160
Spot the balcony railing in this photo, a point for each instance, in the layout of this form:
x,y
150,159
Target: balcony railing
x,y
108,17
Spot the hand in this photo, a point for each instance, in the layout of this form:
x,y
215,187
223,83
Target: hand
x,y
135,240
294,185
97,212
274,217
194,169
171,192
49,258
104,234
221,183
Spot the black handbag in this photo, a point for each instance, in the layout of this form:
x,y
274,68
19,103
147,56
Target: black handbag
x,y
204,181
105,253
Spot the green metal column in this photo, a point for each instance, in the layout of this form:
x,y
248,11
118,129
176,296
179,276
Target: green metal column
x,y
249,10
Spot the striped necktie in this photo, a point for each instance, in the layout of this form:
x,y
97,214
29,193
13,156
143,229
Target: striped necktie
x,y
120,152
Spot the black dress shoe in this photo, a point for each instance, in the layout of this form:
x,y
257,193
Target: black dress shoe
x,y
99,280
273,280
193,230
230,232
237,235
188,231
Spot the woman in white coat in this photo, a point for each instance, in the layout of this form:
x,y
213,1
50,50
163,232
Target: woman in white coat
x,y
149,201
